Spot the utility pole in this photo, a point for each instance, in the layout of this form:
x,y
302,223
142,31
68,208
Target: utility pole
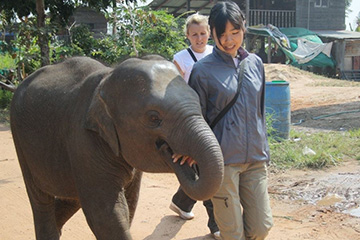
x,y
247,12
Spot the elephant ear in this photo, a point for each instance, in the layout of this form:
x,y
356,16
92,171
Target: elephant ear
x,y
99,120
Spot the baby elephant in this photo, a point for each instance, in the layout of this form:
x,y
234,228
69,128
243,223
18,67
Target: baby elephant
x,y
84,132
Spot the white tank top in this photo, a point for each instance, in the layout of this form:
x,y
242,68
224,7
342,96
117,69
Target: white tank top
x,y
185,61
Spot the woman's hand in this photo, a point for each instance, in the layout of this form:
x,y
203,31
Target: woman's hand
x,y
184,159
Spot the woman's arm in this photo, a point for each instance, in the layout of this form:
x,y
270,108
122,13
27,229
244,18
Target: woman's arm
x,y
179,68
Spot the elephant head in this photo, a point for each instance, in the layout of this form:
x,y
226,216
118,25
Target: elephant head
x,y
145,112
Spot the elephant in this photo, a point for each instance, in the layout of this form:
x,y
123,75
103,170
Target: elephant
x,y
84,133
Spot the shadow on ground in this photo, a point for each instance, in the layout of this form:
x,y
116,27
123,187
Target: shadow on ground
x,y
338,117
168,228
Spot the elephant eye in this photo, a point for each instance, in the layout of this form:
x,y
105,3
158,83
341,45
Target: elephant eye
x,y
153,118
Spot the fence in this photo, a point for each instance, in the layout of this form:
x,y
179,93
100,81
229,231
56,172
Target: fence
x,y
278,18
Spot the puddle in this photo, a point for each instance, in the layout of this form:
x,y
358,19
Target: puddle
x,y
330,200
340,191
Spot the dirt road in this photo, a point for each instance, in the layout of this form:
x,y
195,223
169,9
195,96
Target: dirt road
x,y
306,204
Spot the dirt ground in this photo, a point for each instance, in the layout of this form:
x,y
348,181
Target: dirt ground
x,y
306,204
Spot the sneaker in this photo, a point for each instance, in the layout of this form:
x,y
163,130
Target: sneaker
x,y
184,215
216,235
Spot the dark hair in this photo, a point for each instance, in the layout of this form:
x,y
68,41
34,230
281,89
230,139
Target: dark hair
x,y
223,12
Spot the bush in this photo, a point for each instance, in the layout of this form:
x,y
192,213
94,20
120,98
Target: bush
x,y
5,99
82,37
144,32
6,62
61,50
161,34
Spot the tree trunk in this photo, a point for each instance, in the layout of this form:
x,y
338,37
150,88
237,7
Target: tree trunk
x,y
42,33
114,16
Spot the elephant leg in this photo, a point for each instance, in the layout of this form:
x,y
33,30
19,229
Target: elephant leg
x,y
64,210
43,208
108,218
132,194
42,204
44,218
104,205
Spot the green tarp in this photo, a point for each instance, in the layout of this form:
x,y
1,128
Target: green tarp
x,y
287,40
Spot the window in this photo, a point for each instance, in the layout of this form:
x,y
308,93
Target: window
x,y
322,3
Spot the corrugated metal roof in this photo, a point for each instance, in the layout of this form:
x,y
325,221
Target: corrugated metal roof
x,y
338,34
177,7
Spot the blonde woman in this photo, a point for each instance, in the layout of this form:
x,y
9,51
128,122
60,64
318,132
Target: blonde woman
x,y
197,32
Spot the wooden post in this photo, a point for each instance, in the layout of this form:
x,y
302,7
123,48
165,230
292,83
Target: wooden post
x,y
269,50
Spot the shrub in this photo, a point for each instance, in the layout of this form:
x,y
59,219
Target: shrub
x,y
5,99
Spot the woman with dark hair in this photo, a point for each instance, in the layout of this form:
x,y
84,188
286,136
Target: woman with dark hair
x,y
232,75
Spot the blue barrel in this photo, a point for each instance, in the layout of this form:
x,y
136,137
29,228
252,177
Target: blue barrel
x,y
277,105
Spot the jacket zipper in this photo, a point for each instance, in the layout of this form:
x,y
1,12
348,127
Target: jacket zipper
x,y
246,126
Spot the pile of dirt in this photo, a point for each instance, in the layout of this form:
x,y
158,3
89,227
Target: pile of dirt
x,y
318,102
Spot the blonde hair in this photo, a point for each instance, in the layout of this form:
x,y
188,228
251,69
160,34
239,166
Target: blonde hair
x,y
196,18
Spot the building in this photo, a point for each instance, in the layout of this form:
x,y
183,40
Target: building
x,y
95,20
346,51
324,17
310,14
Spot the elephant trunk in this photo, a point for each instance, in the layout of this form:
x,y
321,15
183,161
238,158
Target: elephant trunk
x,y
200,144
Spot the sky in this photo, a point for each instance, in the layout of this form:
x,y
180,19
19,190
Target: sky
x,y
355,7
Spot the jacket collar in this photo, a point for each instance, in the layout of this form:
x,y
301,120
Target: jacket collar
x,y
242,54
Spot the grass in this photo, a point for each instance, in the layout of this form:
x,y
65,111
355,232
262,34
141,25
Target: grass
x,y
328,149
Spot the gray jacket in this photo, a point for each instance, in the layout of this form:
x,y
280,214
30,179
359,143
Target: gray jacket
x,y
242,131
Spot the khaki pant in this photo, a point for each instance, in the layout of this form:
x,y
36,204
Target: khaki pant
x,y
241,206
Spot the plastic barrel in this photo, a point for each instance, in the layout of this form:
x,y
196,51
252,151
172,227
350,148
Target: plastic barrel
x,y
277,105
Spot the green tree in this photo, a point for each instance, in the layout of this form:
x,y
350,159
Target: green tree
x,y
43,36
19,9
58,11
141,31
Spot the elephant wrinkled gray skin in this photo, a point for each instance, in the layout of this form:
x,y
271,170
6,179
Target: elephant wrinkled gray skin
x,y
84,132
